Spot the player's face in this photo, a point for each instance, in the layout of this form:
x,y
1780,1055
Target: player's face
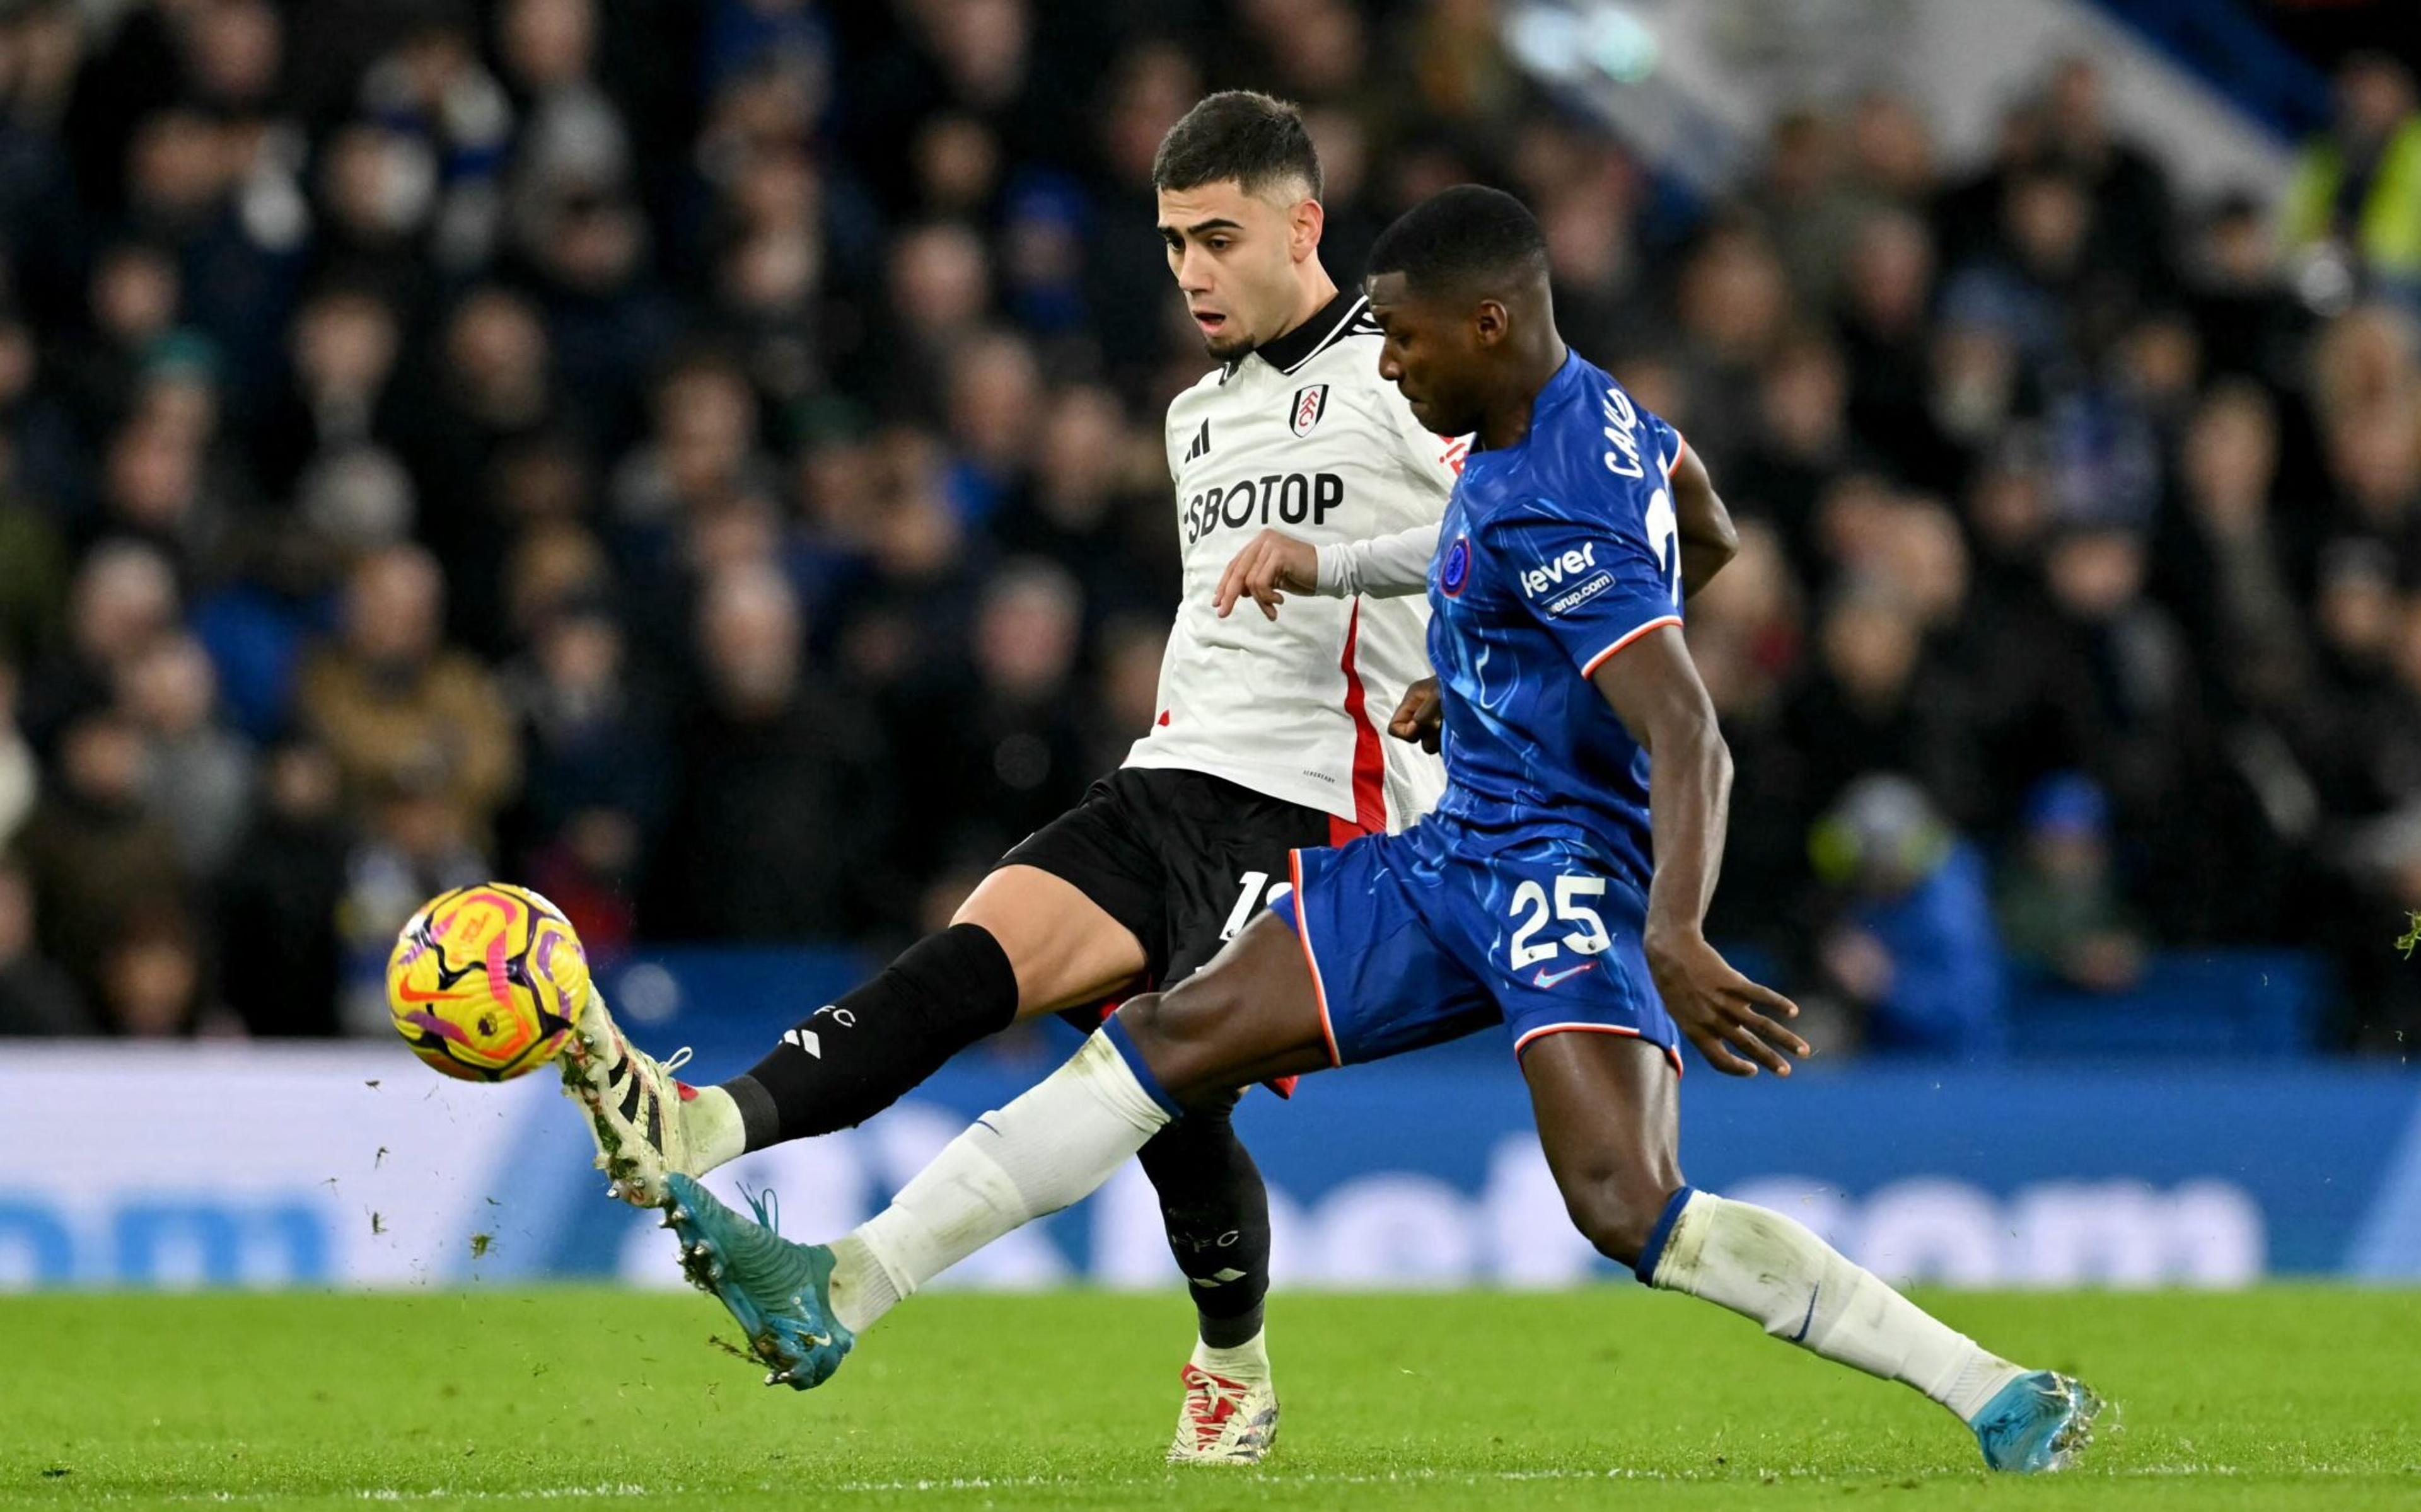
x,y
1429,351
1234,255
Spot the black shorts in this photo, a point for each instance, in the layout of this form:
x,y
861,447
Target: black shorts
x,y
1183,859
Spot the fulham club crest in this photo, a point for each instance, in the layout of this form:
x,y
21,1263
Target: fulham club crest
x,y
1309,405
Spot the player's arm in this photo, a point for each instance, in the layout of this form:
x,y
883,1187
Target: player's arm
x,y
1655,689
1274,564
1386,566
1704,526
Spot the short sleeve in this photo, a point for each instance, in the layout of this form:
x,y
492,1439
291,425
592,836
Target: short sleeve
x,y
1669,445
1597,582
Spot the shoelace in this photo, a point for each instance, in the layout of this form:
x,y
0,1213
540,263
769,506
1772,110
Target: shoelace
x,y
1211,1400
762,1201
675,1061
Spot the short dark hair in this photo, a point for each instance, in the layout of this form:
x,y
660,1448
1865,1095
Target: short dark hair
x,y
1239,134
1460,236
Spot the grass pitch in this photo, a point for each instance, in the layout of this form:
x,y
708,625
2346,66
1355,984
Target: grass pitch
x,y
2279,1398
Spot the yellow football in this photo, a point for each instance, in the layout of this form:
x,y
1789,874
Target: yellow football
x,y
485,982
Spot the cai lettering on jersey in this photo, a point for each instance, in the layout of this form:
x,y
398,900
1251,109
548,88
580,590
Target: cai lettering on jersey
x,y
1302,436
1555,555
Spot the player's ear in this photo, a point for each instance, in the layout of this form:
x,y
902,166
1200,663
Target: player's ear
x,y
1490,322
1303,231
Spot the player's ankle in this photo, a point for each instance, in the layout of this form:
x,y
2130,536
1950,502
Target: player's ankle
x,y
713,1127
862,1287
1247,1362
1981,1378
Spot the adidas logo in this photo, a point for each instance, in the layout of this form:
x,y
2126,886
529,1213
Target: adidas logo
x,y
1201,446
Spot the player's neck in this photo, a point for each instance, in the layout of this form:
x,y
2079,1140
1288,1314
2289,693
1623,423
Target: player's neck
x,y
1314,288
1506,419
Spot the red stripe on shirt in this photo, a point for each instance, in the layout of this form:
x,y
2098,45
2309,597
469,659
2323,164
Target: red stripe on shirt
x,y
1369,760
1589,669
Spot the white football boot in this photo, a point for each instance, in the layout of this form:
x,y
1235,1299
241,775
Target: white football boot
x,y
1224,1422
634,1105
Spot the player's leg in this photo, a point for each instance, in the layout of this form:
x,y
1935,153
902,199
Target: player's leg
x,y
1216,1212
1249,1015
1344,969
1606,1108
1025,942
1028,941
1222,847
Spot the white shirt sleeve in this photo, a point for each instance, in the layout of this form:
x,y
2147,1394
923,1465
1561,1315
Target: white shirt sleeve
x,y
1398,565
1387,567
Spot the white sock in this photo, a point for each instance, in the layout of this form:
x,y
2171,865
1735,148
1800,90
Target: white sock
x,y
1766,1266
1048,1149
861,1290
716,1135
1247,1362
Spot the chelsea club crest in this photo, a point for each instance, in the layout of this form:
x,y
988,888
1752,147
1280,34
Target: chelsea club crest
x,y
1456,569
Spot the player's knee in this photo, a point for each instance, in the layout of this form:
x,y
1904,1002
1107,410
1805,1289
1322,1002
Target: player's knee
x,y
1616,1210
1174,1033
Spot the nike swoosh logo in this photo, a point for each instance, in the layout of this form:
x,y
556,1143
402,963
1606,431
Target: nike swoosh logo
x,y
1547,978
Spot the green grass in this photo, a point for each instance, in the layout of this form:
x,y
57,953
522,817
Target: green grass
x,y
2284,1397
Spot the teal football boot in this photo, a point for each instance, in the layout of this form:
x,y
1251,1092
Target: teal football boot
x,y
778,1291
2036,1423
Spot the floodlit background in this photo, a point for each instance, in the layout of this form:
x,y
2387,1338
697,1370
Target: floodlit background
x,y
702,459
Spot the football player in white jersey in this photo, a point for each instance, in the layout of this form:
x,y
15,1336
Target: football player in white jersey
x,y
1267,739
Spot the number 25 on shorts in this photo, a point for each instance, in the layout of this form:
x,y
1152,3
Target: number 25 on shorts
x,y
1570,907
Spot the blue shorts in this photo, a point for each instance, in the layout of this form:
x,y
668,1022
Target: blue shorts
x,y
1422,937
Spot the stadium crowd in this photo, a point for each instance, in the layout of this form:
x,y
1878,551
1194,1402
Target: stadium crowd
x,y
704,457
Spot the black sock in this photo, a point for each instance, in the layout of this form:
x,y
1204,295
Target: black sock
x,y
851,1059
1218,1218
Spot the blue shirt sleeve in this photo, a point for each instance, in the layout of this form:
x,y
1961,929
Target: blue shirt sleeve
x,y
1666,440
1597,577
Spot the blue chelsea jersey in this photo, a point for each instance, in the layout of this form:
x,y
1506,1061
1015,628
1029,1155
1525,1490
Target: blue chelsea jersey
x,y
1555,554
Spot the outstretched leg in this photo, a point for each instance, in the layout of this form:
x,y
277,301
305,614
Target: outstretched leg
x,y
1028,942
1025,942
1606,1108
1249,1015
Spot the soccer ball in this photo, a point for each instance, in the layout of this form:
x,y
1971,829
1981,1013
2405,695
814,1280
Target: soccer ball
x,y
485,982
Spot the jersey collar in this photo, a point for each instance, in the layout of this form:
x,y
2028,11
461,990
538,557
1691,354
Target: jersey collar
x,y
1314,336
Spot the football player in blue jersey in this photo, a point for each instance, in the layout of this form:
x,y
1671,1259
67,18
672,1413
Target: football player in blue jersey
x,y
1557,890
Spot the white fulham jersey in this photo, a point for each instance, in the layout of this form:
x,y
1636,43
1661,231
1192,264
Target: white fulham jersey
x,y
1301,435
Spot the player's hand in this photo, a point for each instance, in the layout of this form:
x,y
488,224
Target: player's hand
x,y
1725,1014
1271,563
1421,715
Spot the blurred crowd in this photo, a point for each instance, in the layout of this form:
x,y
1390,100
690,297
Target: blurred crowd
x,y
703,458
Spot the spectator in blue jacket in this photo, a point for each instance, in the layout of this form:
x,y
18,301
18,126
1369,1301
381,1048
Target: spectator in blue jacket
x,y
1913,948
